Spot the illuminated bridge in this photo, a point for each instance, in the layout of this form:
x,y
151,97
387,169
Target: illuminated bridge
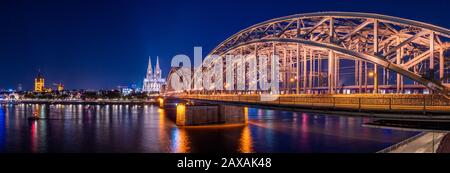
x,y
340,59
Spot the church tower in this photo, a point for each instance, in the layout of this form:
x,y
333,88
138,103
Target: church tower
x,y
157,69
39,83
149,68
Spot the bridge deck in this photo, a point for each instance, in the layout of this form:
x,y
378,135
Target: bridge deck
x,y
362,102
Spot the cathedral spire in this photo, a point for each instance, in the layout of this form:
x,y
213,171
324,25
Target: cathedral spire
x,y
149,69
153,82
157,69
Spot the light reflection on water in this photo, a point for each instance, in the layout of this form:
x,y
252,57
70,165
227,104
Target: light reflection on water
x,y
138,128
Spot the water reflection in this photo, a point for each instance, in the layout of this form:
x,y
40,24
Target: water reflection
x,y
246,141
38,128
147,128
2,129
34,137
180,141
162,129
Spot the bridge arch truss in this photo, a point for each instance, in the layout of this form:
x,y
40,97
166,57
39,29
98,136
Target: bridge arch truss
x,y
327,52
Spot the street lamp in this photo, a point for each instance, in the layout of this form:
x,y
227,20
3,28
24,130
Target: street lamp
x,y
292,79
374,75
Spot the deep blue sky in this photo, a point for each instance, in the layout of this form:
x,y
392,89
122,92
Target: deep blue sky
x,y
96,44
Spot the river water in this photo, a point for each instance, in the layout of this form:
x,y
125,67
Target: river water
x,y
147,129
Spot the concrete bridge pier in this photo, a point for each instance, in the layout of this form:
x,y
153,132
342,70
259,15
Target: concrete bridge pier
x,y
196,115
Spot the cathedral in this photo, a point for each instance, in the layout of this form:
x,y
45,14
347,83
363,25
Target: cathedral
x,y
153,81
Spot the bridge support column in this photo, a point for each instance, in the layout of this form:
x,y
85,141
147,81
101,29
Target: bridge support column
x,y
398,61
297,74
356,72
336,74
360,76
291,76
375,79
375,49
319,69
431,57
386,75
241,72
305,67
365,77
331,61
283,71
331,71
311,70
441,64
253,86
298,67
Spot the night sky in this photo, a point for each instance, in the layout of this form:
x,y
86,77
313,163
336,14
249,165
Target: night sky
x,y
93,44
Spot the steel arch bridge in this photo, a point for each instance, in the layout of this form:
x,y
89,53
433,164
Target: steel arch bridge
x,y
319,51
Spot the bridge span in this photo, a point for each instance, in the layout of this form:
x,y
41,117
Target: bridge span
x,y
328,53
427,106
356,62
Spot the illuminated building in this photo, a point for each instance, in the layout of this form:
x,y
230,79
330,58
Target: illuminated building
x,y
39,83
153,81
59,87
126,91
48,90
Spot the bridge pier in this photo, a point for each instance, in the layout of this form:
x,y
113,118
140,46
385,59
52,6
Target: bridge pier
x,y
208,114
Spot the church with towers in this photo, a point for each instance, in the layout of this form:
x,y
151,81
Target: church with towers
x,y
153,80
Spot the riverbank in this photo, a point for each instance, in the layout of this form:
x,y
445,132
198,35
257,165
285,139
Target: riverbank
x,y
425,142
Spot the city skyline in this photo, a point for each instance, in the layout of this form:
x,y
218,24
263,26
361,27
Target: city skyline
x,y
253,84
119,40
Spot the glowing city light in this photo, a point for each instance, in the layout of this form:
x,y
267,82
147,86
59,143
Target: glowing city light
x,y
292,79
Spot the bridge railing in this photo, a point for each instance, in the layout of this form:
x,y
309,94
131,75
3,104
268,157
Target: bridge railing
x,y
361,101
